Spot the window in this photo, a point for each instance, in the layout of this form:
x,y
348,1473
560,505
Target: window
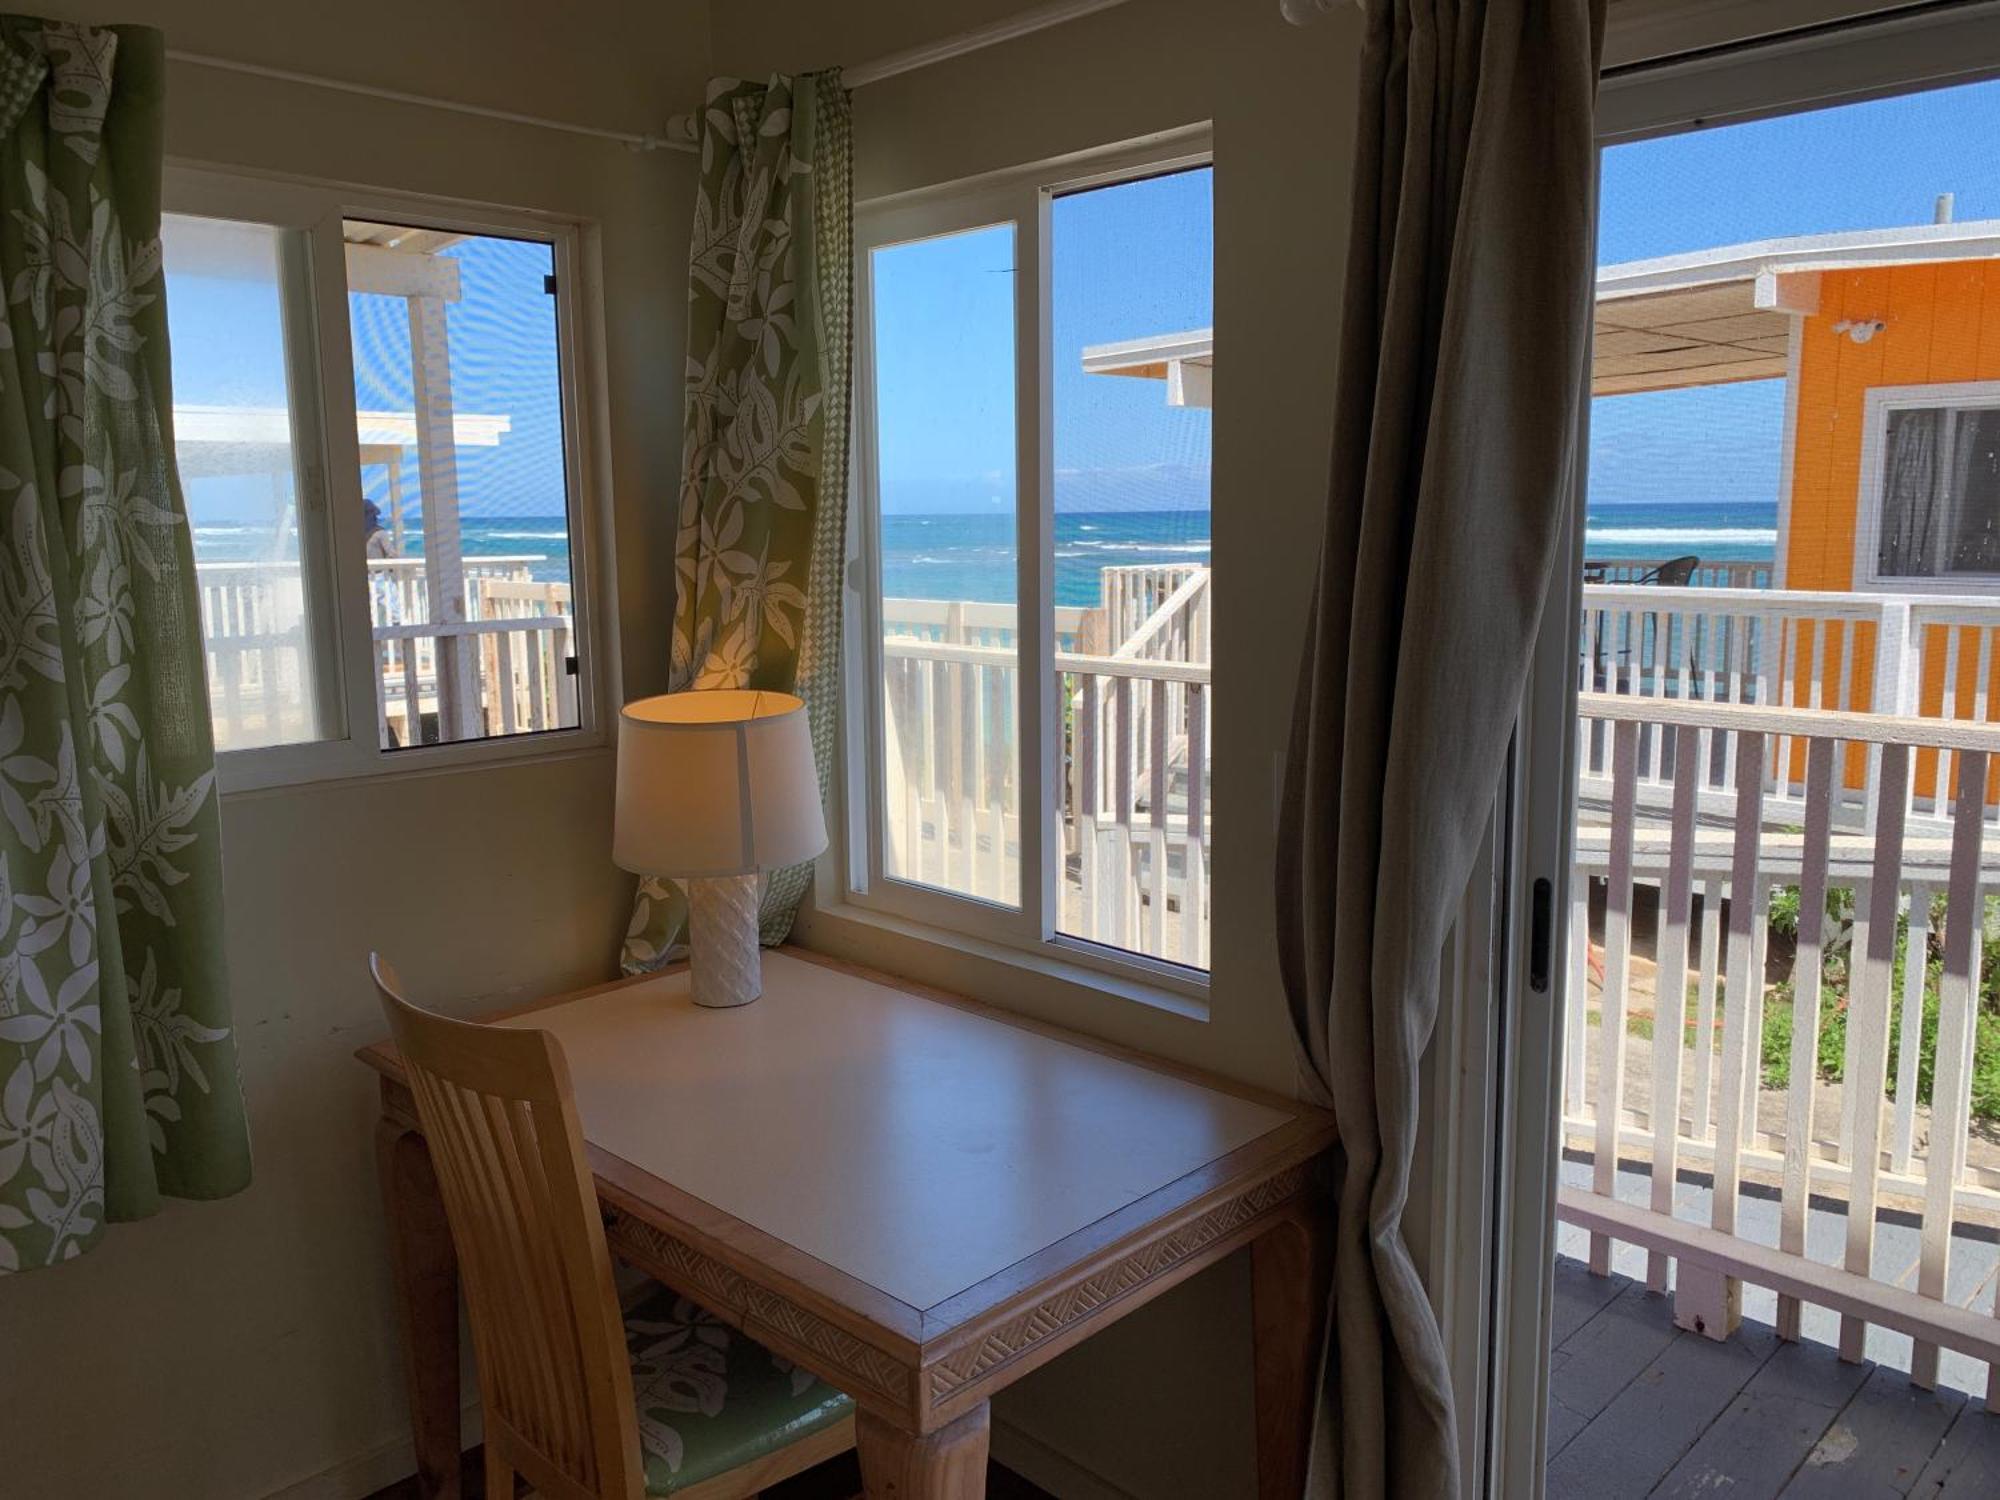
x,y
949,563
375,440
1030,702
1933,472
237,412
458,412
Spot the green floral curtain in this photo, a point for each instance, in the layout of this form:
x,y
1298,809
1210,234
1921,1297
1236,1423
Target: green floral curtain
x,y
118,1077
763,508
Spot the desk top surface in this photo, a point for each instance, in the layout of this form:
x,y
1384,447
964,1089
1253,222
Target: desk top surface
x,y
916,1145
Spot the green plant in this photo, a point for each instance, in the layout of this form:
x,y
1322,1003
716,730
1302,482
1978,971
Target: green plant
x,y
1775,1047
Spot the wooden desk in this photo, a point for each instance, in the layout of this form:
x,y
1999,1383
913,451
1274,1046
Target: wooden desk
x,y
918,1198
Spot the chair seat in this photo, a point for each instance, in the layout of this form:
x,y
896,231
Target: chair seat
x,y
711,1399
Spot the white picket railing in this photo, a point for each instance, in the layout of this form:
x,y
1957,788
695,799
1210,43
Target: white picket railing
x,y
1132,822
1895,655
1703,1102
516,642
1714,575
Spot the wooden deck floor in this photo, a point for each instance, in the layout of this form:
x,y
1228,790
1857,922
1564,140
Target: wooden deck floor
x,y
1639,1408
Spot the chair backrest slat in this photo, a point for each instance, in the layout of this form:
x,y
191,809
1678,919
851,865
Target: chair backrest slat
x,y
500,1120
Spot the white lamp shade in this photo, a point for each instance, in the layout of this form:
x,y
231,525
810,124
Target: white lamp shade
x,y
716,783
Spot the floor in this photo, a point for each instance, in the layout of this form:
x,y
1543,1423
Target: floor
x,y
1972,1278
836,1479
1638,1407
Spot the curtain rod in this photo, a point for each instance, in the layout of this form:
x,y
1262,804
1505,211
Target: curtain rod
x,y
681,133
683,128
667,141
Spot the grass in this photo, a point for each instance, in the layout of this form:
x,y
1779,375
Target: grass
x,y
1775,1045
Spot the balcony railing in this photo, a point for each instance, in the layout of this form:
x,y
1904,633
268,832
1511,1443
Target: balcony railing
x,y
1739,786
1713,575
510,656
1132,819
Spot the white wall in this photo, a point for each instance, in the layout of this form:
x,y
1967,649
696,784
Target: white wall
x,y
230,1349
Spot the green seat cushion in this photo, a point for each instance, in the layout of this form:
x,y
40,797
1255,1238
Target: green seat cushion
x,y
711,1399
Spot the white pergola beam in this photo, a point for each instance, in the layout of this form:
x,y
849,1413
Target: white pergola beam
x,y
437,468
399,273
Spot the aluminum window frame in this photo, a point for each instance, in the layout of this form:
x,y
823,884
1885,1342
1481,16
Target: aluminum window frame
x,y
320,380
1878,403
1023,198
1673,92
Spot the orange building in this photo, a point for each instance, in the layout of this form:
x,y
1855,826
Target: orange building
x,y
1888,341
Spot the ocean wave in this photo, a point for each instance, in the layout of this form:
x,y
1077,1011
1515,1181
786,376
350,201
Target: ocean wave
x,y
1675,535
528,536
1190,548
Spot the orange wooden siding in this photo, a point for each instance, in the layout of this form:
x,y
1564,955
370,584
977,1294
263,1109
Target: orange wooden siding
x,y
1941,324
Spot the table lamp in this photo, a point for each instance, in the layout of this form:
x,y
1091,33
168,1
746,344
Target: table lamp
x,y
714,787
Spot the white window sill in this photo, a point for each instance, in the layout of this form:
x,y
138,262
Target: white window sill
x,y
854,927
280,768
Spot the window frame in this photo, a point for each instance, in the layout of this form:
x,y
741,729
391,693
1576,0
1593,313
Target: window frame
x,y
332,555
1878,404
1022,197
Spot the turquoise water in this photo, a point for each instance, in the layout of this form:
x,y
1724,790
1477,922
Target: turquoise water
x,y
973,556
1655,532
545,539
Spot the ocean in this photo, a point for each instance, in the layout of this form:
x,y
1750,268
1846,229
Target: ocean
x,y
543,540
973,556
1656,532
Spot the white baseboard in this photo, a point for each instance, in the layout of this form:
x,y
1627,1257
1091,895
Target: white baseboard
x,y
1042,1466
359,1477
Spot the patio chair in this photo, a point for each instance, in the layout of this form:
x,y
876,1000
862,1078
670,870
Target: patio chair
x,y
1674,573
716,1415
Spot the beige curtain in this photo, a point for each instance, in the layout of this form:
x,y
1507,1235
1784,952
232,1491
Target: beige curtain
x,y
1462,357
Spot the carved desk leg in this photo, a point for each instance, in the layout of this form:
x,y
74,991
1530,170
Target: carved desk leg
x,y
426,1270
948,1464
1291,1273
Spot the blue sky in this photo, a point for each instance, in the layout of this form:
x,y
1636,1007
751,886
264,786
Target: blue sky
x,y
227,338
504,361
1855,166
1133,260
1129,261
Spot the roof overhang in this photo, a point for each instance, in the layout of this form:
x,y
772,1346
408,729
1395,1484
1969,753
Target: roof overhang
x,y
217,440
1717,316
1710,317
1185,361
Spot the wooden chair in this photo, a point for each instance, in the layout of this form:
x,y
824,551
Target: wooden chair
x,y
583,1401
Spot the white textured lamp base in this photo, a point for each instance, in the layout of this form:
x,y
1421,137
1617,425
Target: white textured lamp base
x,y
725,966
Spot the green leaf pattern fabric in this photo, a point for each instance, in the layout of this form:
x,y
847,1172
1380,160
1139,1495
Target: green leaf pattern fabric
x,y
710,1399
118,1078
763,500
